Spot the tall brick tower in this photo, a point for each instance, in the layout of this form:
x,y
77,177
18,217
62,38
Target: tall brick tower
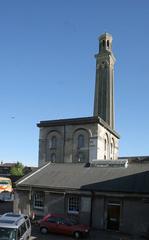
x,y
104,87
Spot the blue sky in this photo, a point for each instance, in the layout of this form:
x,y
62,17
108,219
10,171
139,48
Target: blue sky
x,y
47,69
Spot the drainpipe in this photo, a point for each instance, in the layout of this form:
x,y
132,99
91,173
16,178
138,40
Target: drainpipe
x,y
64,143
91,211
30,198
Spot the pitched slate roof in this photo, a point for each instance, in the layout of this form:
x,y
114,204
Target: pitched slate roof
x,y
133,179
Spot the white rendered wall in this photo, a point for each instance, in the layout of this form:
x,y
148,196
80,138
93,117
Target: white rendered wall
x,y
102,134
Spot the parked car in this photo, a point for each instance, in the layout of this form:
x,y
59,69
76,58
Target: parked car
x,y
14,227
63,225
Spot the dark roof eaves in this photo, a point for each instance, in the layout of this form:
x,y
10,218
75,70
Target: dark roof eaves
x,y
65,189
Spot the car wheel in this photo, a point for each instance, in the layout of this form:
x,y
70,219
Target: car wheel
x,y
43,230
77,235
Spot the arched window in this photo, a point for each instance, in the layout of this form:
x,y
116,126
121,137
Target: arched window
x,y
112,149
53,157
81,142
53,142
106,147
107,43
80,145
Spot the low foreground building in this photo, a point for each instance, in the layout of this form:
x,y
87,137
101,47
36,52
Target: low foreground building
x,y
111,195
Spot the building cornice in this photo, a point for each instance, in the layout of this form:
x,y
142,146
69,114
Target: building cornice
x,y
77,121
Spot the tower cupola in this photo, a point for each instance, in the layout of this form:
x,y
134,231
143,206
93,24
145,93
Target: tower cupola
x,y
105,42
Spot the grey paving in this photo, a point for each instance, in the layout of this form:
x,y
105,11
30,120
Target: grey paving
x,y
94,235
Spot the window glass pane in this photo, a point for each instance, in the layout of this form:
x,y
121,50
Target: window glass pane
x,y
28,223
19,232
54,142
111,148
23,229
61,220
38,200
80,141
106,147
105,144
73,204
52,219
107,43
7,233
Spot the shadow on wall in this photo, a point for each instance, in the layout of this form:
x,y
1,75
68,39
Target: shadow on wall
x,y
135,209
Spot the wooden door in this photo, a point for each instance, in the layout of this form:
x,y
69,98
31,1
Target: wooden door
x,y
113,216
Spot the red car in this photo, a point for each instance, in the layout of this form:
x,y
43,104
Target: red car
x,y
60,224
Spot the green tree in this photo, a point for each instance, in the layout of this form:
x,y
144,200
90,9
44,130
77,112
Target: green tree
x,y
17,170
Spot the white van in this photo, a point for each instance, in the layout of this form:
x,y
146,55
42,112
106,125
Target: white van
x,y
15,227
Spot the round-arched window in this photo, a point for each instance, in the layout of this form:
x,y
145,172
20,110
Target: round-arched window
x,y
112,149
106,147
81,142
53,142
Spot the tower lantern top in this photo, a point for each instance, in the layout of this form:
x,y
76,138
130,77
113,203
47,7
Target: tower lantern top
x,y
105,42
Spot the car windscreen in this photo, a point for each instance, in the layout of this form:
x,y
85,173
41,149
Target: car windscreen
x,y
7,233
